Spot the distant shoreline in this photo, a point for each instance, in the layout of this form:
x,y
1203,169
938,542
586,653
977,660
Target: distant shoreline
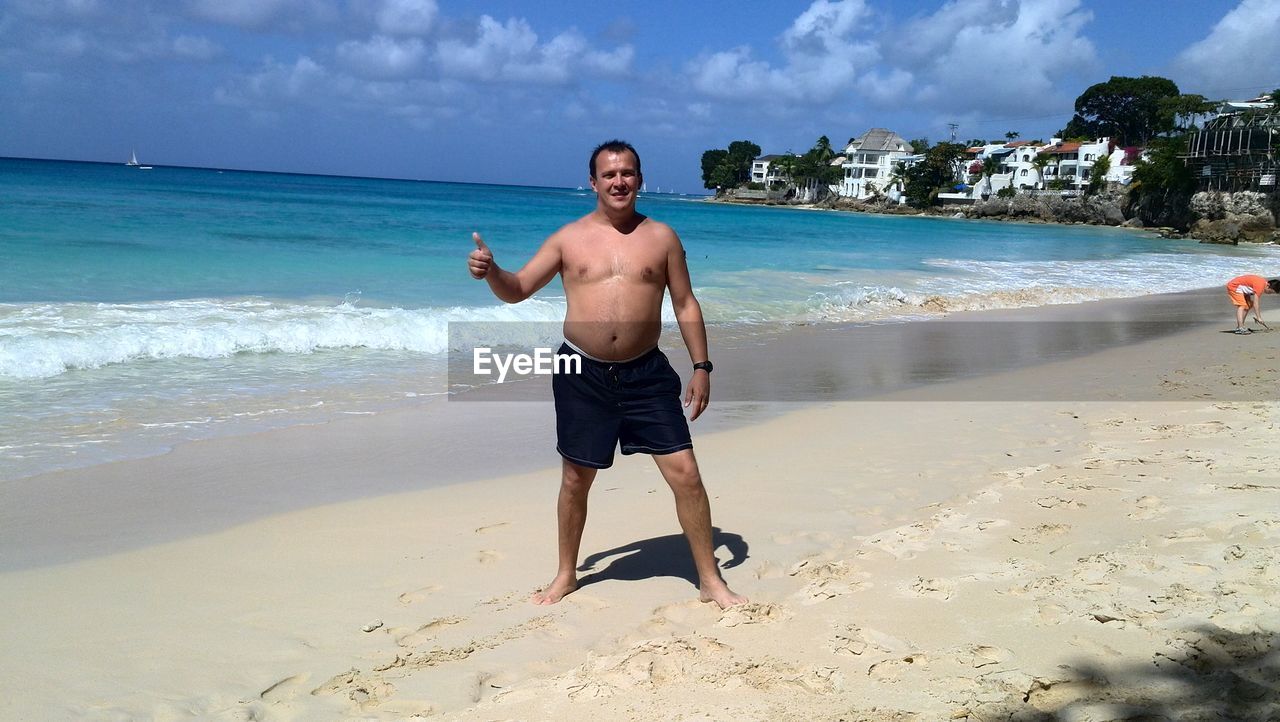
x,y
944,212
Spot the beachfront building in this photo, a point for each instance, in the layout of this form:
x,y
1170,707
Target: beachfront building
x,y
1236,151
1072,161
1028,166
869,162
765,172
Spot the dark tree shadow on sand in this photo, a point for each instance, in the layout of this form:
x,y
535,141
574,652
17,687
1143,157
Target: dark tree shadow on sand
x,y
1205,673
664,556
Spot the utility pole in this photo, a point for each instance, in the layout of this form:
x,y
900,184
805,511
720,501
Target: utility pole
x,y
953,127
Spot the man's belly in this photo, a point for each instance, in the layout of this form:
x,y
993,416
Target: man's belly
x,y
615,319
612,340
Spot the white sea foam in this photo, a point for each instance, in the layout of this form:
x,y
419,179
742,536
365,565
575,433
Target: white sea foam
x,y
44,340
969,285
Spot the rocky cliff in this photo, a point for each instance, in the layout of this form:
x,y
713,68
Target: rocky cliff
x,y
1234,217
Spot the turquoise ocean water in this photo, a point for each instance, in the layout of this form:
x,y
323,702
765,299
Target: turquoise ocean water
x,y
139,308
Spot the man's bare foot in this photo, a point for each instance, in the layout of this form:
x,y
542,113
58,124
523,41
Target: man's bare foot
x,y
559,587
720,593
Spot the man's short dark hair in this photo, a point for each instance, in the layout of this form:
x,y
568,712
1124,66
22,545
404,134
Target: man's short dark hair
x,y
1274,283
613,146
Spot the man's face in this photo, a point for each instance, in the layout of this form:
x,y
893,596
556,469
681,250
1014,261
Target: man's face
x,y
617,179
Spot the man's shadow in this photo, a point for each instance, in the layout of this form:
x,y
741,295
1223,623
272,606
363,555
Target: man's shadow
x,y
664,556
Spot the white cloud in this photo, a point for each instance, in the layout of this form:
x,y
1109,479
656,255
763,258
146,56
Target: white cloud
x,y
259,14
612,63
998,56
1241,52
304,80
382,57
406,17
824,48
191,47
510,52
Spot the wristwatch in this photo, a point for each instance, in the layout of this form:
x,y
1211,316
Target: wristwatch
x,y
704,365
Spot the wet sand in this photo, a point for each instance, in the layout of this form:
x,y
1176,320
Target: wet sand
x,y
206,486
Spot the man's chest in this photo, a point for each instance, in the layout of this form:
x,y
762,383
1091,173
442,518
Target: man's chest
x,y
595,263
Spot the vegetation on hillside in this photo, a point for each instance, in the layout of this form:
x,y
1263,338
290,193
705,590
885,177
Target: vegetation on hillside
x,y
1147,111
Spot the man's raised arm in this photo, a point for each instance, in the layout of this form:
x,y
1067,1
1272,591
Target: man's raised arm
x,y
515,287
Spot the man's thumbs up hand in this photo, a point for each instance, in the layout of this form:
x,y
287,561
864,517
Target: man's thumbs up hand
x,y
481,259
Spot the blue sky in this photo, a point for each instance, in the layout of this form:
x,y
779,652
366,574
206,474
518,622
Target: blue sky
x,y
518,92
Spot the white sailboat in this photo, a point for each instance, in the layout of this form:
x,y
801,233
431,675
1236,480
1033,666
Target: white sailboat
x,y
133,161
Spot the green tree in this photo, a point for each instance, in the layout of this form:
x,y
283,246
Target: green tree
x,y
1162,170
729,168
741,154
1040,162
934,174
1180,111
1162,186
785,166
1125,109
1012,135
1098,175
711,162
919,145
812,173
823,148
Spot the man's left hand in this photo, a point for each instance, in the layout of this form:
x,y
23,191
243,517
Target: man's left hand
x,y
698,395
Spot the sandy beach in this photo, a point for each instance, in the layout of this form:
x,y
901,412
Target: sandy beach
x,y
1093,537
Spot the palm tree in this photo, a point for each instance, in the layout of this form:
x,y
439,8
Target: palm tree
x,y
989,168
897,177
1041,161
786,166
823,149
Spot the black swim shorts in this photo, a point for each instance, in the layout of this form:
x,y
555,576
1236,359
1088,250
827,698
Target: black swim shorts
x,y
634,402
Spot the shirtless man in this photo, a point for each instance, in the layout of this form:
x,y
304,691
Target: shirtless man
x,y
616,265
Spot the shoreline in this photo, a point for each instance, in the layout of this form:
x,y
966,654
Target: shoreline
x,y
928,554
66,515
958,212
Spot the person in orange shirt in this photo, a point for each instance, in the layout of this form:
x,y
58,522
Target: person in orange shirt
x,y
1245,292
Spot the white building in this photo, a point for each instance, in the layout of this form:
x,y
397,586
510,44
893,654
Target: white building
x,y
1070,161
869,162
763,172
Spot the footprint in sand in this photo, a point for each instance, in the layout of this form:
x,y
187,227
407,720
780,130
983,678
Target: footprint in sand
x,y
826,580
933,588
427,632
753,613
1148,507
978,656
674,618
1040,532
852,640
1049,613
356,687
891,669
1057,502
768,570
417,595
488,556
490,527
